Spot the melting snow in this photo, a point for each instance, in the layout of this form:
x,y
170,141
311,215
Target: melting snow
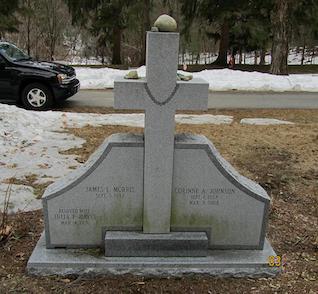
x,y
264,121
30,143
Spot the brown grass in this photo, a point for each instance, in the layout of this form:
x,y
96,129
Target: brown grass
x,y
283,159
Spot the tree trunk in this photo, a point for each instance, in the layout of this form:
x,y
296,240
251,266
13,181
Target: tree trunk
x,y
28,28
280,28
116,54
224,45
52,54
197,59
303,51
28,36
52,48
255,57
240,56
302,55
262,57
146,27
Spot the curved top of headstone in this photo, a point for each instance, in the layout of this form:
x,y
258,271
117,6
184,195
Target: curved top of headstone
x,y
165,23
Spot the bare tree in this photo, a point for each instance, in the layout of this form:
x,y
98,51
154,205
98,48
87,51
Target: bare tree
x,y
52,18
280,23
146,27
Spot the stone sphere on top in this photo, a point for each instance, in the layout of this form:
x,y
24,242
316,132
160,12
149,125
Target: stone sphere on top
x,y
165,23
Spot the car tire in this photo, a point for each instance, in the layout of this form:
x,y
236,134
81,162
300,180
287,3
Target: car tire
x,y
37,96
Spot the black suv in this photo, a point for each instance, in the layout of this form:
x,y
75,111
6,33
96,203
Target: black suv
x,y
37,85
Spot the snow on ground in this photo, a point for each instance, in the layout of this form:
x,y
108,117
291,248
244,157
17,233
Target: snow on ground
x,y
30,143
218,79
264,121
101,78
203,119
22,198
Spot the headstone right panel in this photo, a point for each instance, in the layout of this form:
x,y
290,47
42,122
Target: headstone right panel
x,y
209,194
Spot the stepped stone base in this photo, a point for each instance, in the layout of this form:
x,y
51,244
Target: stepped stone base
x,y
234,263
133,244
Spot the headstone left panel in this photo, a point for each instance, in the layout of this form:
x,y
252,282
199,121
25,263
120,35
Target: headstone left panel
x,y
110,196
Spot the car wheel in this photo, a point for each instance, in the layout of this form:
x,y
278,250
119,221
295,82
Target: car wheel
x,y
37,97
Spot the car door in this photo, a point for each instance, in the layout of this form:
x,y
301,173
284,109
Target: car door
x,y
6,90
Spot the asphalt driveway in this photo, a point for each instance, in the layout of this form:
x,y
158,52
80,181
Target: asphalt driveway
x,y
234,99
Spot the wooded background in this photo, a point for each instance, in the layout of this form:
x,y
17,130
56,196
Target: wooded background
x,y
113,31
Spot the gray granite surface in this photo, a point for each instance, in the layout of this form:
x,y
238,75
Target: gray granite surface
x,y
106,192
123,243
162,51
160,96
208,195
156,204
224,263
132,94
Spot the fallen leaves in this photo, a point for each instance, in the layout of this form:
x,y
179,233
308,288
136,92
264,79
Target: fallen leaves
x,y
20,255
308,276
138,283
308,257
5,233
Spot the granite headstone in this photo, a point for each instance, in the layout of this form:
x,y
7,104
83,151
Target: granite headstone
x,y
156,196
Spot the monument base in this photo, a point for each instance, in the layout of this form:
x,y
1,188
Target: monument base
x,y
174,244
229,263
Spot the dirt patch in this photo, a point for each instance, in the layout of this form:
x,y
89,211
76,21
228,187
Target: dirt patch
x,y
94,136
283,159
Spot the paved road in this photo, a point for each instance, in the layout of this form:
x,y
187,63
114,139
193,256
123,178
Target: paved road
x,y
104,98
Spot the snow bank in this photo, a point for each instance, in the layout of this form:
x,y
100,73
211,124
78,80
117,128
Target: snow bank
x,y
218,79
102,78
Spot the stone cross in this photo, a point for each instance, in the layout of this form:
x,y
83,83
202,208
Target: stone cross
x,y
160,95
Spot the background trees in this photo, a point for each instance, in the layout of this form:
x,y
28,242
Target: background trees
x,y
255,24
106,19
288,17
113,31
237,25
41,26
8,21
